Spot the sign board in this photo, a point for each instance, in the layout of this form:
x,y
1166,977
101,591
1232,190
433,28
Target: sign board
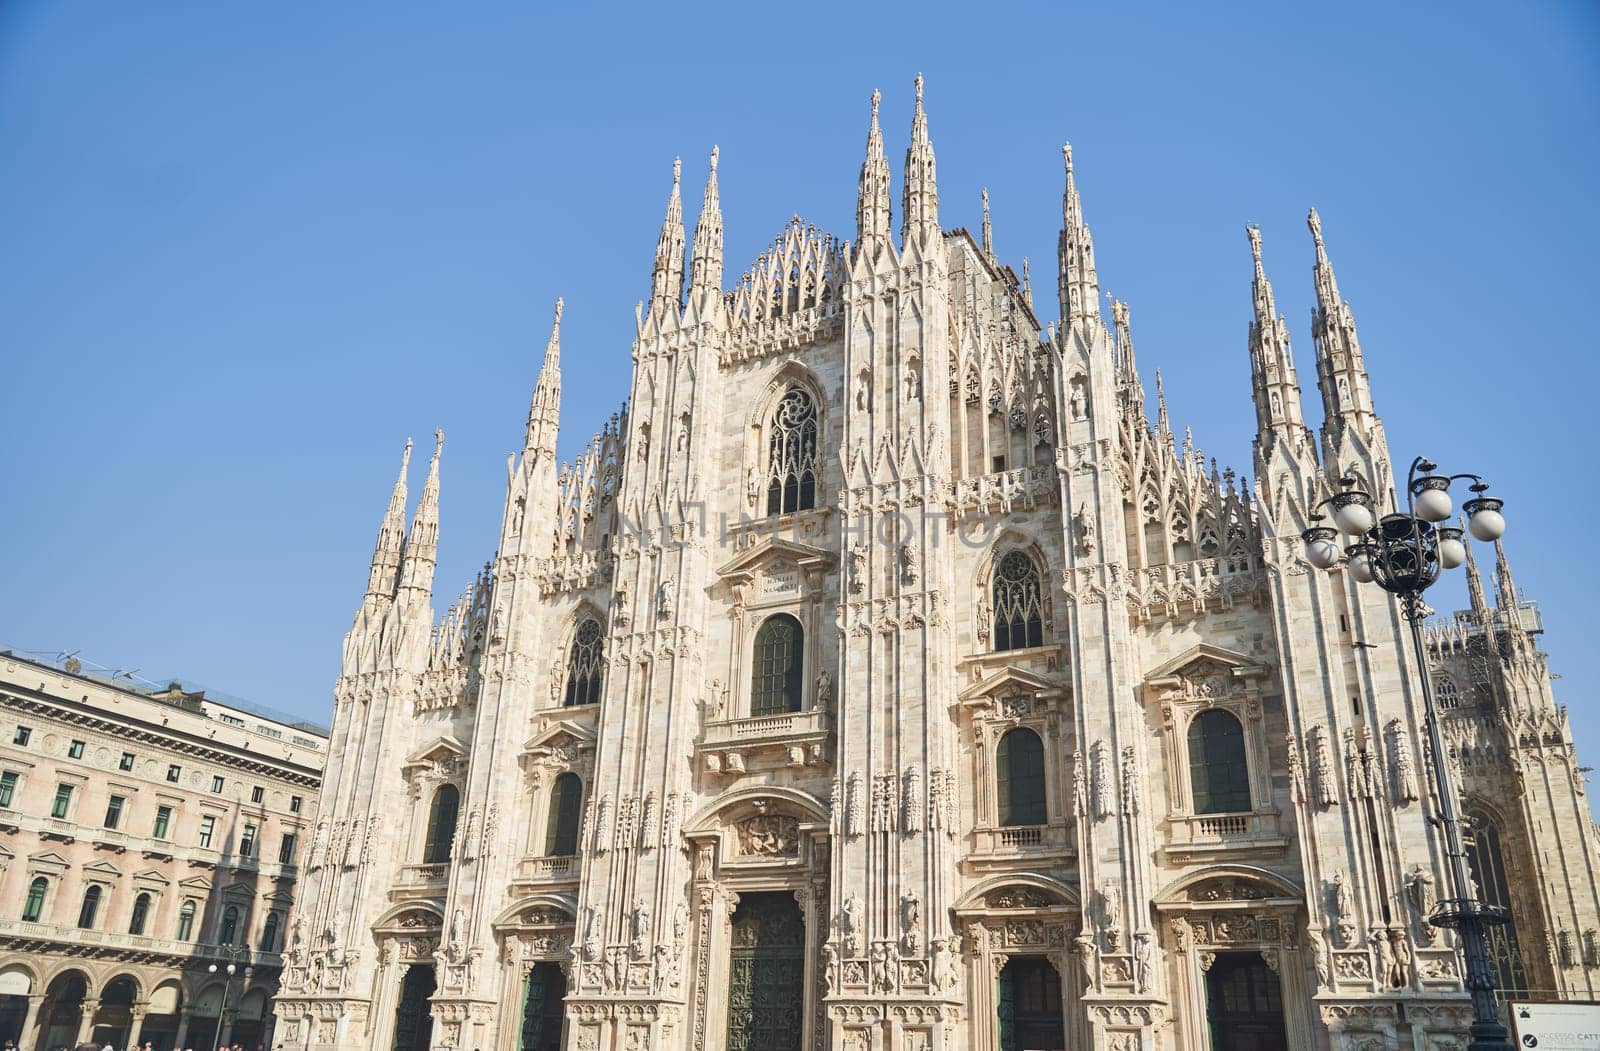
x,y
1572,1025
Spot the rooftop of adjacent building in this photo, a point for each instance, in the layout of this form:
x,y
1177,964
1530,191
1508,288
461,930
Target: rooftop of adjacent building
x,y
187,694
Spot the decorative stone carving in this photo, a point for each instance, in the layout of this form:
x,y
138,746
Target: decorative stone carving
x,y
1327,794
647,829
883,802
1343,911
1321,958
1100,777
769,836
910,924
850,926
911,800
1130,781
1404,779
854,806
1420,896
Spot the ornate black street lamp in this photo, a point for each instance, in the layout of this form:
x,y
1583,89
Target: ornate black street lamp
x,y
1404,554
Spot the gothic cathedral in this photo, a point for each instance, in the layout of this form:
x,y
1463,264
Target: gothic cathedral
x,y
883,677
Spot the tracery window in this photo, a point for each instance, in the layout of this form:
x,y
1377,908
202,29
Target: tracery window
x,y
1018,610
1019,778
1487,864
33,908
441,825
776,678
141,914
90,907
1219,776
1444,689
792,454
585,664
561,828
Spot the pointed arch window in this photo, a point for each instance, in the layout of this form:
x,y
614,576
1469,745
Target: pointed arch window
x,y
775,685
141,914
33,908
1444,689
585,664
441,825
230,925
1019,778
1487,863
186,920
561,828
1219,777
792,454
90,907
1018,606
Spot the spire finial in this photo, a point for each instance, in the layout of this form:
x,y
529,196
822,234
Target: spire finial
x,y
405,459
919,89
1163,425
877,97
919,205
666,281
988,230
1066,156
716,151
1079,284
1314,221
438,444
677,171
1027,283
705,266
560,306
1254,233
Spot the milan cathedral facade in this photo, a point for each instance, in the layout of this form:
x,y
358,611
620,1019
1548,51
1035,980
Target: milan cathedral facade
x,y
883,677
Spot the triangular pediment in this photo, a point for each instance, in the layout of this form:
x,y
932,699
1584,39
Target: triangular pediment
x,y
773,551
196,884
1008,681
48,859
562,733
152,876
103,868
442,750
1208,661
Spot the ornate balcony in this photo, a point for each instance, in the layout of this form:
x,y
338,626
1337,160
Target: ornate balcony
x,y
786,739
1204,837
550,868
24,935
420,881
1003,847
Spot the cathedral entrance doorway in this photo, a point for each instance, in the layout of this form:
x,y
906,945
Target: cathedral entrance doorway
x,y
1244,1004
542,1005
766,974
1030,1006
413,1022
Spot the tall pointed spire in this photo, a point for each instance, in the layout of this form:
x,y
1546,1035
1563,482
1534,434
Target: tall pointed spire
x,y
1274,386
988,227
422,542
1079,285
1505,588
391,538
1027,284
666,283
1341,373
544,414
1129,386
872,192
920,204
1163,421
705,268
1475,597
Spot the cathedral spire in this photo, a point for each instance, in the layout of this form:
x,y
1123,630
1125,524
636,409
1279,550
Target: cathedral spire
x,y
1027,284
1128,383
1163,421
1341,374
988,228
1273,382
1475,597
422,542
872,193
1505,588
920,205
705,269
1079,286
391,538
666,283
544,414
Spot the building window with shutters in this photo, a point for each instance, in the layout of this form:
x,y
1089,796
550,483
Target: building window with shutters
x,y
1219,773
1019,779
566,807
777,677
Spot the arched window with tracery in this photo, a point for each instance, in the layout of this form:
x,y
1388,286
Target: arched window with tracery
x,y
561,828
776,678
1487,864
792,454
33,908
441,825
1019,778
1444,690
1219,776
1018,603
585,664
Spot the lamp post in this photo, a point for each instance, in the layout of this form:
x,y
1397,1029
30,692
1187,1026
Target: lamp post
x,y
1404,553
216,1034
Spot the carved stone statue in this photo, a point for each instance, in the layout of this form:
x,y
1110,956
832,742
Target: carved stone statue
x,y
911,924
1142,951
664,599
1088,959
858,568
830,968
850,926
1419,893
825,690
909,568
882,968
640,926
1320,957
752,488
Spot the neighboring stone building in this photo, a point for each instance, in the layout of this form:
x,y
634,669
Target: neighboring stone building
x,y
884,678
146,836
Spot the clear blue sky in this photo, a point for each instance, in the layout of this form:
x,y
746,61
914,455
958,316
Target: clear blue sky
x,y
249,249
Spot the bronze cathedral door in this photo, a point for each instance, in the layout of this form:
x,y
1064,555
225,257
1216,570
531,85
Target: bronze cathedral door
x,y
766,975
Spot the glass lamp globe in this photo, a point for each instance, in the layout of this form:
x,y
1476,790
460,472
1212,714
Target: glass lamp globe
x,y
1432,499
1484,518
1452,552
1361,563
1321,551
1353,517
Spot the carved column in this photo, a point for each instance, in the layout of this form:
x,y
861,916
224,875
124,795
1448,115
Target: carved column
x,y
91,1005
29,1020
183,1028
138,1013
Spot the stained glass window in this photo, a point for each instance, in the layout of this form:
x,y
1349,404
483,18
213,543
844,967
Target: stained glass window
x,y
792,454
1488,867
585,664
1018,619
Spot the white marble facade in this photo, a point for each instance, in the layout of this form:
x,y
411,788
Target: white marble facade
x,y
866,539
